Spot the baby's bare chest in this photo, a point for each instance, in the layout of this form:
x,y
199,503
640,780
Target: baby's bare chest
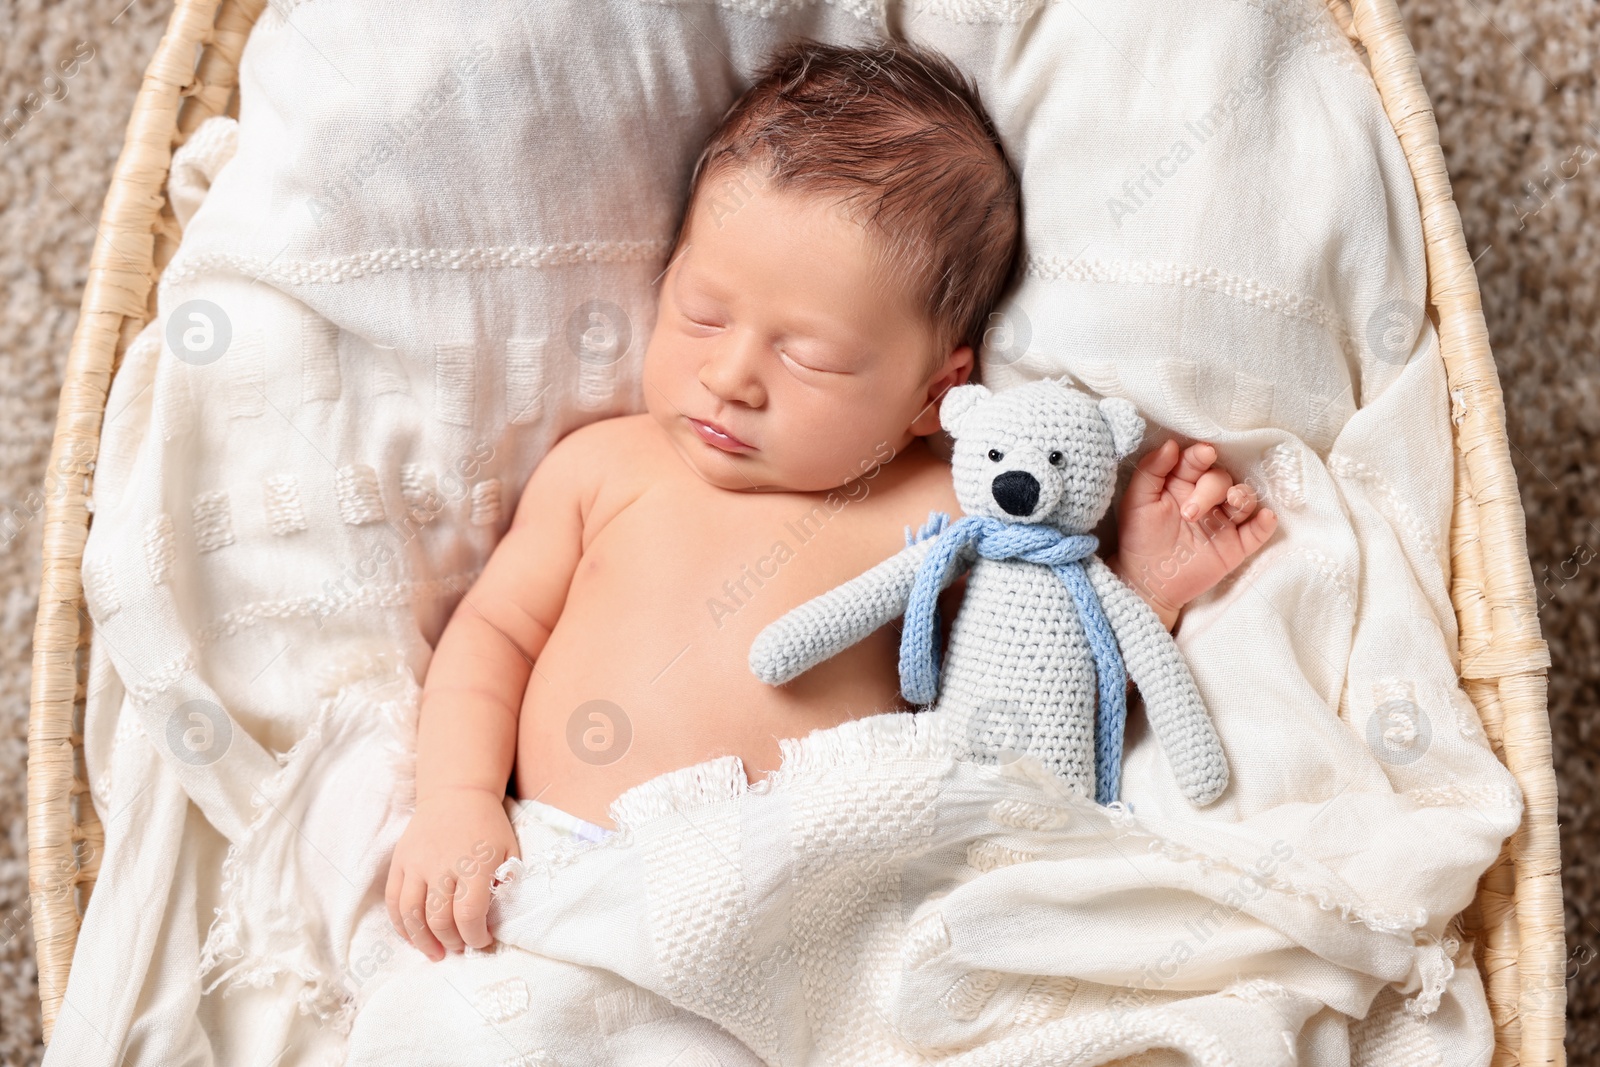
x,y
726,564
657,628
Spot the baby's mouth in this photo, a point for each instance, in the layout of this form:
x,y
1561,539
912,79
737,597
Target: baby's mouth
x,y
717,437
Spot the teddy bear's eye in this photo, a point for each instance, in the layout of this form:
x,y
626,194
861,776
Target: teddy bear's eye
x,y
995,455
1055,459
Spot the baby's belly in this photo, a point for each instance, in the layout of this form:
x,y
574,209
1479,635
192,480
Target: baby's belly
x,y
648,671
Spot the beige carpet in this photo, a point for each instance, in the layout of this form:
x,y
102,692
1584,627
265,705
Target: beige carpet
x,y
1514,85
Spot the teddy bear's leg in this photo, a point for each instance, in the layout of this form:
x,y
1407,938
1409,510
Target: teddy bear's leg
x,y
827,625
1172,702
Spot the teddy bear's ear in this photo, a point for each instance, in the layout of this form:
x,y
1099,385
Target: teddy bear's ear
x,y
1127,428
958,404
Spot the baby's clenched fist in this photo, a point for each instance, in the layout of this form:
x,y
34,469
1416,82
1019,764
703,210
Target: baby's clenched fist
x,y
1184,525
443,869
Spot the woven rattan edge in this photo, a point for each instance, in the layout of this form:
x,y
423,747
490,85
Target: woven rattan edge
x,y
1503,654
64,834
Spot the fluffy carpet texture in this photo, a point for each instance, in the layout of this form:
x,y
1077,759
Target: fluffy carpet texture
x,y
1514,85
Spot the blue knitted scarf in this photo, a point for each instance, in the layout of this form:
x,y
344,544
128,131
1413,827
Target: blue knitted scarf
x,y
1048,547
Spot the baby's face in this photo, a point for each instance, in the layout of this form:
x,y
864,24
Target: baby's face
x,y
779,361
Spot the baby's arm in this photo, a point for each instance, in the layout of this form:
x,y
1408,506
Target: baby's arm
x,y
439,880
1183,526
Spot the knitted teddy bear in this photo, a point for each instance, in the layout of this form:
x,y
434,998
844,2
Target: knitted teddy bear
x,y
1045,627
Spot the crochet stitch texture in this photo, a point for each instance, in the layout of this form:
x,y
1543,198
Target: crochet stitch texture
x,y
1047,547
1020,673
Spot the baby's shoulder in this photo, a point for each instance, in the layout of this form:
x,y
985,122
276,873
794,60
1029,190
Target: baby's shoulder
x,y
607,446
592,463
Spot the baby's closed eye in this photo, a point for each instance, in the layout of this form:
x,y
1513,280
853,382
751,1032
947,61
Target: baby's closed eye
x,y
814,361
707,320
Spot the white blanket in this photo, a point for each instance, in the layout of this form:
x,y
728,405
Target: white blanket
x,y
1220,227
880,902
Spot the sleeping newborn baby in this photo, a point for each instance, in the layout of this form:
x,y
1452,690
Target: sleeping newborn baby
x,y
851,224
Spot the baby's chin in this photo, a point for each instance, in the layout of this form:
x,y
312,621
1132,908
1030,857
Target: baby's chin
x,y
747,473
739,474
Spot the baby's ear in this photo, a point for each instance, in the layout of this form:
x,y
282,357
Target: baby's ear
x,y
958,404
1127,428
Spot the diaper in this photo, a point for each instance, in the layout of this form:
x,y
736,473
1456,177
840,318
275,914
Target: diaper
x,y
525,812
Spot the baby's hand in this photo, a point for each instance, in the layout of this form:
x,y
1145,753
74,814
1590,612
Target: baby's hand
x,y
1184,525
438,890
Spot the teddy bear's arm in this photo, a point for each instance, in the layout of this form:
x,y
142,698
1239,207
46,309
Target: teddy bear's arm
x,y
1171,700
826,625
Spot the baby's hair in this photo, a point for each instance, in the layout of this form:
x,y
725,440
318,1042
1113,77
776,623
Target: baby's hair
x,y
898,135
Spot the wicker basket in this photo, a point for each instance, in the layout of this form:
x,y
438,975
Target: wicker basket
x,y
1516,921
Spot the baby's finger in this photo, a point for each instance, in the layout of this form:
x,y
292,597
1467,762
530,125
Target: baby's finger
x,y
441,914
472,912
391,898
1209,491
1196,460
413,896
1150,475
1241,502
1258,531
1161,460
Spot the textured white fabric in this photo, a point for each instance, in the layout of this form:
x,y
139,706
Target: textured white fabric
x,y
845,912
433,252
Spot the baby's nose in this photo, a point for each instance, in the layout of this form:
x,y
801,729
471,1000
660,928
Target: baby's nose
x,y
731,373
1016,492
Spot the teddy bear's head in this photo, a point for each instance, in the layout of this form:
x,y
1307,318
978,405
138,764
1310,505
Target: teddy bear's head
x,y
1039,453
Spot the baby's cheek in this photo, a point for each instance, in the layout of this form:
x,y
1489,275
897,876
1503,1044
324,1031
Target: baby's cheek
x,y
665,373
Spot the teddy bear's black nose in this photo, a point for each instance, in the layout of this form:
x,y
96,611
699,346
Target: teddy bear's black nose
x,y
1016,491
